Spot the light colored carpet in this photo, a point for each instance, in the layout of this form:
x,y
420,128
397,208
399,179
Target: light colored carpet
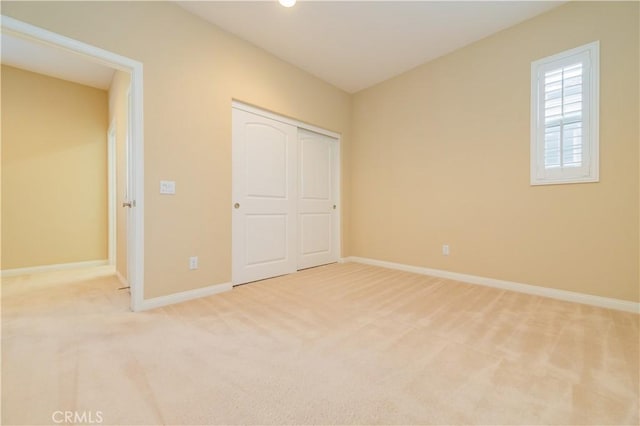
x,y
340,344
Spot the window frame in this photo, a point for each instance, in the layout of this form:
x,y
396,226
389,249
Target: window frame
x,y
589,172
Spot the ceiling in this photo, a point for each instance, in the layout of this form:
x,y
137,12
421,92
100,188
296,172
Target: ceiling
x,y
56,62
356,44
350,44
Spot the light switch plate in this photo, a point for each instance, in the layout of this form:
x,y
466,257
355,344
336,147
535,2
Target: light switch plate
x,y
167,187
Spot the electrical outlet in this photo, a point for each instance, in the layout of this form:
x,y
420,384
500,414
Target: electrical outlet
x,y
445,249
193,262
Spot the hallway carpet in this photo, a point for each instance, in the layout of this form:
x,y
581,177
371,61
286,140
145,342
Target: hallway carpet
x,y
339,344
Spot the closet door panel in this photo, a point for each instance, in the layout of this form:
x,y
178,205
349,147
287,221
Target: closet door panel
x,y
317,212
264,191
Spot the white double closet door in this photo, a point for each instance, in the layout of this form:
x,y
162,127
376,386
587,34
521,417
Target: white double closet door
x,y
284,189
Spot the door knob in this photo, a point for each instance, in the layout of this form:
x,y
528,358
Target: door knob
x,y
334,206
127,204
236,206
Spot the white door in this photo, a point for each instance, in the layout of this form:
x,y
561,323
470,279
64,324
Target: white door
x,y
317,199
111,191
264,197
129,192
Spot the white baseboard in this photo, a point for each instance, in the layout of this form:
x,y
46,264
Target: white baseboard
x,y
569,296
52,268
183,296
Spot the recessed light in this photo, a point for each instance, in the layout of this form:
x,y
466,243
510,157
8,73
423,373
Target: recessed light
x,y
287,3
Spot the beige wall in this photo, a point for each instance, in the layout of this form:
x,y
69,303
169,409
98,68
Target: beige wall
x,y
438,155
192,71
54,171
441,155
119,118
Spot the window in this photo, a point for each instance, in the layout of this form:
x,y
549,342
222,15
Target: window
x,y
564,117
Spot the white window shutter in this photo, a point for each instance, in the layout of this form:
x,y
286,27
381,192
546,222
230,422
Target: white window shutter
x,y
564,117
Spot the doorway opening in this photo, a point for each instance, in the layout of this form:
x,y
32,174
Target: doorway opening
x,y
135,161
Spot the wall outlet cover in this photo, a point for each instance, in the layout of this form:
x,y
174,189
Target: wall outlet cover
x,y
193,262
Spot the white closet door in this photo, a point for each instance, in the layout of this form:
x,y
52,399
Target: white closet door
x,y
318,232
264,192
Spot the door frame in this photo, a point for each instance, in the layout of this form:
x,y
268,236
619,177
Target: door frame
x,y
135,241
268,114
235,104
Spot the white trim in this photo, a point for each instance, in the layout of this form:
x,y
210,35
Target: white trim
x,y
569,296
273,116
183,296
52,268
113,60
